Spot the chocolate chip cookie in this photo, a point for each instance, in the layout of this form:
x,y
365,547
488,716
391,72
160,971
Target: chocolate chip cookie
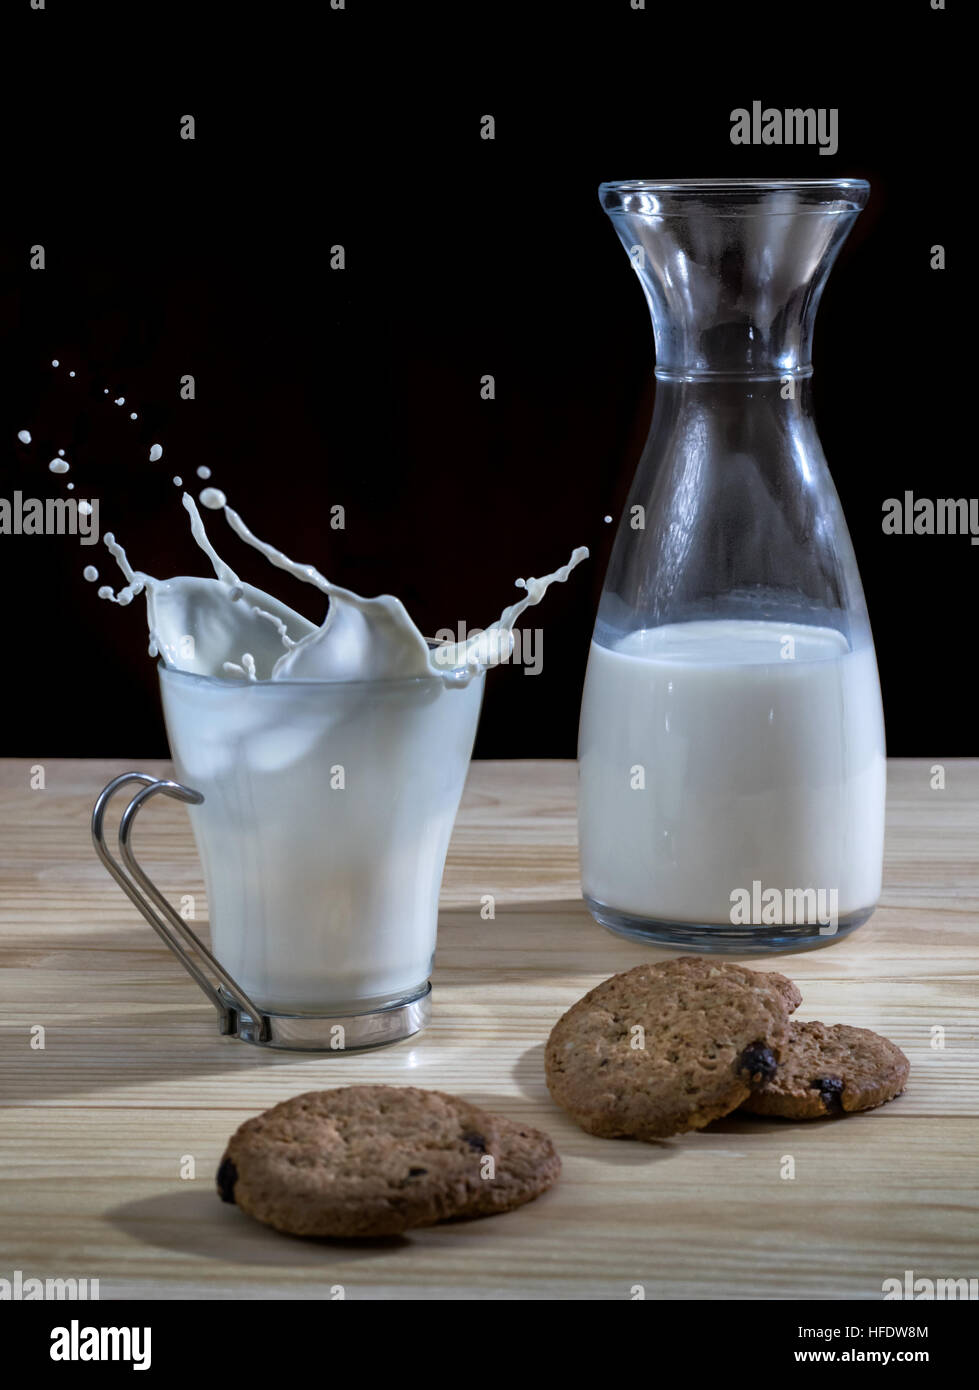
x,y
667,1048
831,1070
379,1160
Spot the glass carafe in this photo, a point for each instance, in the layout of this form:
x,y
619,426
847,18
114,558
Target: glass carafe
x,y
731,749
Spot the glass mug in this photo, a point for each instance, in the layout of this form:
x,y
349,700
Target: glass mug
x,y
322,812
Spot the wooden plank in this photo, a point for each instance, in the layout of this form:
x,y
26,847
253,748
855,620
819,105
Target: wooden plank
x,y
133,1078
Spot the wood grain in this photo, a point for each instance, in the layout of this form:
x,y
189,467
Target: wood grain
x,y
133,1079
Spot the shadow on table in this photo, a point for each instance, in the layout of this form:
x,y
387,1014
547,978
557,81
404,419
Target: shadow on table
x,y
155,1054
743,1122
137,1021
553,942
194,1222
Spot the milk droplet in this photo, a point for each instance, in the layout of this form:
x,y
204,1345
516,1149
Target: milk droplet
x,y
105,390
203,471
85,508
58,466
156,452
71,487
105,591
90,573
61,453
55,362
178,482
213,497
608,518
120,400
133,416
24,436
71,373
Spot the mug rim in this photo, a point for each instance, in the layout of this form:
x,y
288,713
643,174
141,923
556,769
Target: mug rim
x,y
373,683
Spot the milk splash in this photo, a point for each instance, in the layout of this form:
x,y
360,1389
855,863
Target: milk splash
x,y
228,629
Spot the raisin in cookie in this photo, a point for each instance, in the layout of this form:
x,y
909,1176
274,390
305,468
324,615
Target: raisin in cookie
x,y
667,1048
831,1070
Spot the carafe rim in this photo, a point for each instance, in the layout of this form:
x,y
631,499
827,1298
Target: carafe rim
x,y
745,197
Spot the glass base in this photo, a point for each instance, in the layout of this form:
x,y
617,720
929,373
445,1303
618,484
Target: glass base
x,y
329,1032
694,936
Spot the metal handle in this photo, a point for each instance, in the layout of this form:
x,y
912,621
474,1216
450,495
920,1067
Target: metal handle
x,y
168,924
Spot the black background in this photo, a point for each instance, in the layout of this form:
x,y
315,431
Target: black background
x,y
464,257
260,1327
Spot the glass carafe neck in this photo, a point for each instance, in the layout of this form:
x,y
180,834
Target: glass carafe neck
x,y
733,270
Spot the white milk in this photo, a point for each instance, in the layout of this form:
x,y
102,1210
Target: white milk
x,y
323,832
757,768
208,626
331,760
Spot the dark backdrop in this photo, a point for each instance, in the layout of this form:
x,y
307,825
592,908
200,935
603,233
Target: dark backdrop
x,y
464,257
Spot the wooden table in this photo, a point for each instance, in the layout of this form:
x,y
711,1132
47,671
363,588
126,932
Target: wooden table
x,y
134,1086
